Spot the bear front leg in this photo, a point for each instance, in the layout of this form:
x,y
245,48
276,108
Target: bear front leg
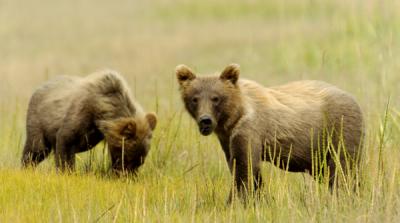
x,y
224,142
65,152
245,166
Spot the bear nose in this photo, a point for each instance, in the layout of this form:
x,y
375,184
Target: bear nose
x,y
205,120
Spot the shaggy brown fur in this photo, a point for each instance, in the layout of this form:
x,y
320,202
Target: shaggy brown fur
x,y
72,115
288,125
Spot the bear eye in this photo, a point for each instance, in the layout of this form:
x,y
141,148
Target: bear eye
x,y
215,99
195,100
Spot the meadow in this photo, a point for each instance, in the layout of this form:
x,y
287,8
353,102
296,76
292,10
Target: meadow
x,y
353,44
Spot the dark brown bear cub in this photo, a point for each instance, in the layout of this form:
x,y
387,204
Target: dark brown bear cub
x,y
291,125
71,115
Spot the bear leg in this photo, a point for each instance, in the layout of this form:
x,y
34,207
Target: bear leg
x,y
65,160
64,154
35,151
245,166
336,171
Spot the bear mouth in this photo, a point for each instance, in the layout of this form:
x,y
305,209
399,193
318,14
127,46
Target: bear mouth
x,y
205,131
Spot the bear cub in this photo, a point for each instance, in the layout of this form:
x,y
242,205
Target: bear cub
x,y
72,114
297,126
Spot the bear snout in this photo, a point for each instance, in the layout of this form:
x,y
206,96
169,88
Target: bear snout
x,y
206,125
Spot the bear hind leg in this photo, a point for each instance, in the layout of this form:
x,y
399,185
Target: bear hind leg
x,y
35,151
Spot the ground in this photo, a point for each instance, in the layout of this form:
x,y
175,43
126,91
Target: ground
x,y
352,44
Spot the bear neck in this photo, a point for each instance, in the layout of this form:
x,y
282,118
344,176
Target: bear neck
x,y
231,118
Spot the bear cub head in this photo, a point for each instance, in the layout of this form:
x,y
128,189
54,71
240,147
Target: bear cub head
x,y
128,140
213,101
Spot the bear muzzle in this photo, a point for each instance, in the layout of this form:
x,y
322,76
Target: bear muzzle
x,y
206,125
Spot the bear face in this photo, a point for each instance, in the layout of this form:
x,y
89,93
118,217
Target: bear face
x,y
211,100
128,140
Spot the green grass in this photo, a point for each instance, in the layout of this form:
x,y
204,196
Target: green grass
x,y
352,44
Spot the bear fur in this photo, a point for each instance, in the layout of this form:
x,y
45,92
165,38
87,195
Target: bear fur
x,y
288,125
72,114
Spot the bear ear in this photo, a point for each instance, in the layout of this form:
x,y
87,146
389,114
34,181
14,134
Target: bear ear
x,y
230,73
152,120
128,129
184,74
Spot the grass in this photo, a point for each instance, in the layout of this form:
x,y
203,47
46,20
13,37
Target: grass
x,y
352,44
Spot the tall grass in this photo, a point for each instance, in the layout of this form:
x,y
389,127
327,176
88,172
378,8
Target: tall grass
x,y
352,44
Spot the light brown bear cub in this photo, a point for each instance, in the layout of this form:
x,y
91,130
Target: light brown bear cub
x,y
72,114
287,125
